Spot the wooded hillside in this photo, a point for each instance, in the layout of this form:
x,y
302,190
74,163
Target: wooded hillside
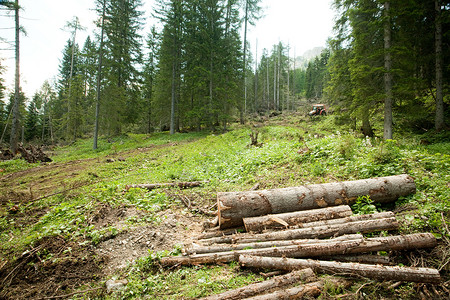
x,y
386,60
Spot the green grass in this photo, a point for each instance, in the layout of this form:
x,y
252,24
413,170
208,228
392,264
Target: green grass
x,y
291,155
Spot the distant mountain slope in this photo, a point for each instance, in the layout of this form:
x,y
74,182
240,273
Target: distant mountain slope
x,y
301,62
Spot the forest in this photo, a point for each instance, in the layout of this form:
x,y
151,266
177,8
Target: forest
x,y
386,60
162,146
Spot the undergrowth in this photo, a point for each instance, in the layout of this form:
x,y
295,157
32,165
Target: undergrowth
x,y
291,154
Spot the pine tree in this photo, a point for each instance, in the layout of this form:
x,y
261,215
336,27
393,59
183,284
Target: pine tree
x,y
48,98
167,91
32,120
149,74
123,56
3,113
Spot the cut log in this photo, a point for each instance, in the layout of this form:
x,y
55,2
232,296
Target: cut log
x,y
181,185
361,258
261,287
309,232
218,233
312,289
303,291
295,218
425,275
234,206
341,220
412,241
234,247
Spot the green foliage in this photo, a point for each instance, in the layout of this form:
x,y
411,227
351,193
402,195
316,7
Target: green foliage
x,y
288,157
185,282
364,205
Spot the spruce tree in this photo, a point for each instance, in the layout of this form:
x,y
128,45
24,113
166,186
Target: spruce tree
x,y
123,56
32,120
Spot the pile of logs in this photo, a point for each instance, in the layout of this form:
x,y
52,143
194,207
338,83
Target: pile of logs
x,y
324,238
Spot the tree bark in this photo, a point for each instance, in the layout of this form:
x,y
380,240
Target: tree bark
x,y
99,78
312,289
412,241
295,218
15,112
234,206
303,291
425,275
387,74
181,185
360,258
256,245
311,232
439,120
217,233
172,101
260,287
351,219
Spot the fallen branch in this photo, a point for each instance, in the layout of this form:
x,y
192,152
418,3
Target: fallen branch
x,y
187,202
425,275
260,287
295,218
71,294
181,185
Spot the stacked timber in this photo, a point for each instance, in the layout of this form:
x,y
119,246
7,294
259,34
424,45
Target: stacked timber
x,y
326,238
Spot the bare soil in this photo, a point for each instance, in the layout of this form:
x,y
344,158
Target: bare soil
x,y
55,266
51,267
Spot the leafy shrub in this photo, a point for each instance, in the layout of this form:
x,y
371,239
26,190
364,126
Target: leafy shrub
x,y
364,205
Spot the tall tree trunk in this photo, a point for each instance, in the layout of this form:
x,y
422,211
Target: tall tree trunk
x,y
268,84
275,107
245,56
293,76
255,104
366,127
387,74
172,102
279,107
15,113
439,120
99,78
288,81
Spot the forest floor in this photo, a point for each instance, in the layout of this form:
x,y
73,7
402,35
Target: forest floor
x,y
69,226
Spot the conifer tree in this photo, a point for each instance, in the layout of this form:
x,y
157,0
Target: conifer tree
x,y
32,120
123,56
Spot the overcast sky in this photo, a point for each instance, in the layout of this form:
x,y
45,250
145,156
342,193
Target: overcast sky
x,y
304,24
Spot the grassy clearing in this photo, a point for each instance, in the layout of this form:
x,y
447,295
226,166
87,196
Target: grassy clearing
x,y
295,151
